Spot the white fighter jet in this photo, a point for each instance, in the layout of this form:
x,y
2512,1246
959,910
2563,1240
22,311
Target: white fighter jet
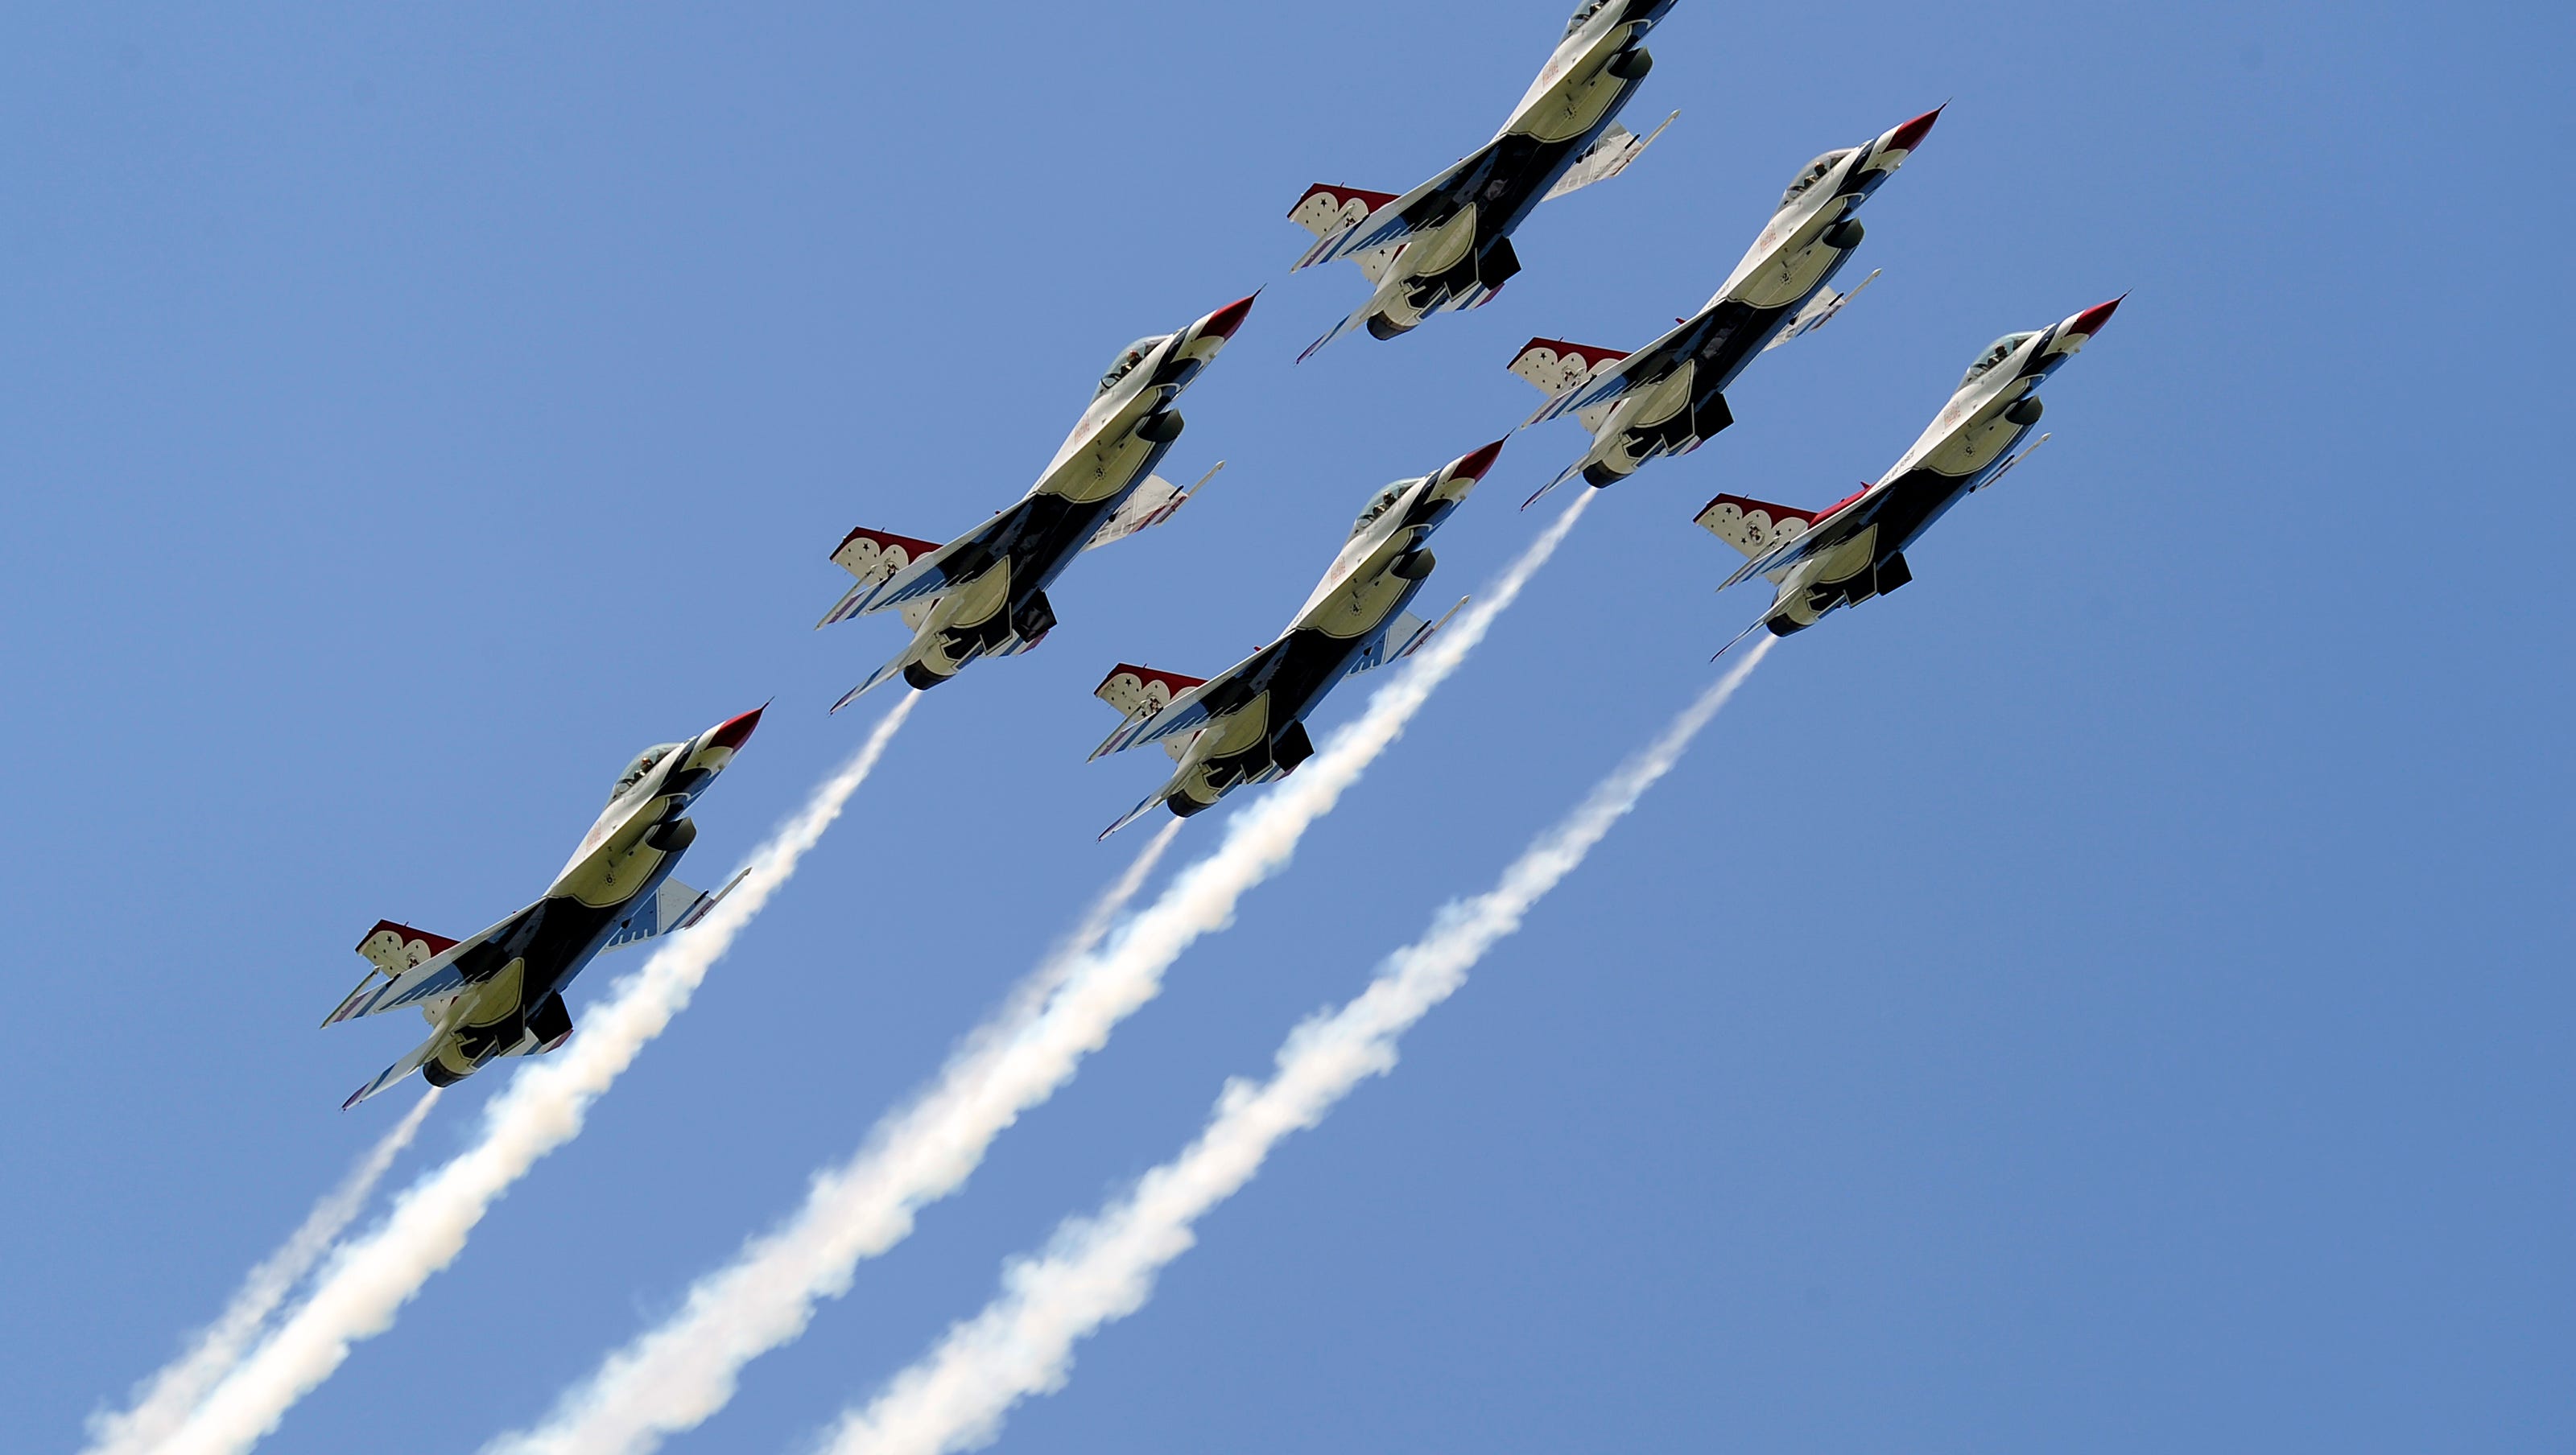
x,y
500,993
1447,244
1248,725
984,593
1853,550
1669,397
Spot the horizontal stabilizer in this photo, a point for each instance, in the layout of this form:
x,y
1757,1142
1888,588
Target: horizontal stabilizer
x,y
420,1054
1139,811
1753,526
1147,506
1604,159
1820,310
675,906
877,678
874,557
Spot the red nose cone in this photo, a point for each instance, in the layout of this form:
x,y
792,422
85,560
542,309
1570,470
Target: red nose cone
x,y
1226,320
737,731
1475,465
1909,136
2090,321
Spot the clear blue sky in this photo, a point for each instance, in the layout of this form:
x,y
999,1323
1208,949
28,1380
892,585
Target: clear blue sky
x,y
2112,996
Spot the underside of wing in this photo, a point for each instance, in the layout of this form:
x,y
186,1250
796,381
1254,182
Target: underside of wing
x,y
1556,368
1605,159
1775,537
415,982
1139,693
1190,705
874,557
1591,397
1390,224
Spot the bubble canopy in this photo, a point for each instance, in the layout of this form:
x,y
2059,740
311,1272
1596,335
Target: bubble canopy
x,y
1379,504
645,762
1996,352
1126,362
1813,173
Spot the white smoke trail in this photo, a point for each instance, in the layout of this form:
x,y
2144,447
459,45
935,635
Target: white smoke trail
x,y
1103,1268
675,1377
766,1295
165,1399
543,1107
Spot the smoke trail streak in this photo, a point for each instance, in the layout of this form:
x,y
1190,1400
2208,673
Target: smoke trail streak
x,y
1103,1268
165,1399
766,1295
543,1107
675,1377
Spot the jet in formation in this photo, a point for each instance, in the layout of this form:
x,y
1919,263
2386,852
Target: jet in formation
x,y
1669,397
1855,549
1447,244
500,993
1247,725
984,593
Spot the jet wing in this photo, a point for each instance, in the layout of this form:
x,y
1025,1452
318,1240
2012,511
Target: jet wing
x,y
1820,310
875,557
673,907
1403,636
1393,223
1600,388
1604,159
1556,368
1189,709
431,977
1782,541
1145,507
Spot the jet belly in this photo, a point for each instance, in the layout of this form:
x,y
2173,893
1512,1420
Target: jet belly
x,y
1575,93
1107,459
509,981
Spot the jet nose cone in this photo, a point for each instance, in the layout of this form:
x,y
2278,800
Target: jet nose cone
x,y
735,732
2090,321
1474,466
1226,320
1909,136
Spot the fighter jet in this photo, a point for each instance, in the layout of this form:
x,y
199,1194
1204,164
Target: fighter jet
x,y
984,593
1855,549
1668,397
1248,725
500,993
1447,244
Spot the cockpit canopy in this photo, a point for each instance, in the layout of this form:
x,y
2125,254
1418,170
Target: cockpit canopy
x,y
1996,352
645,762
1127,360
1813,173
1379,504
1583,13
